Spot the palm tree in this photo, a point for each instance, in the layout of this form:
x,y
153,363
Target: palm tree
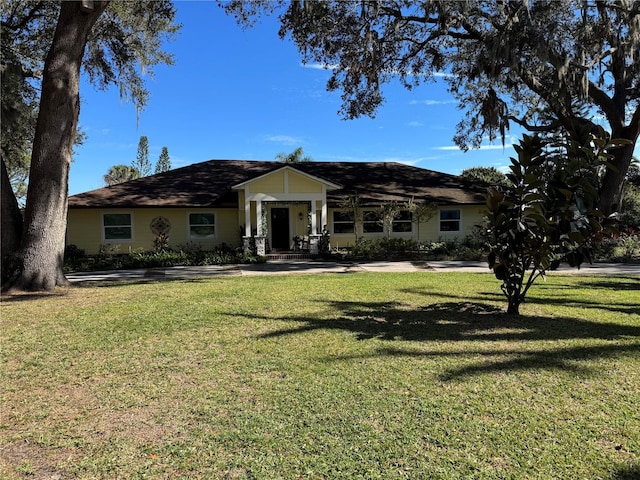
x,y
296,156
120,174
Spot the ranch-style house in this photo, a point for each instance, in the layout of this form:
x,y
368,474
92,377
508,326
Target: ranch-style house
x,y
279,206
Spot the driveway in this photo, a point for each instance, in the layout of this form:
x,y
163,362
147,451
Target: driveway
x,y
287,267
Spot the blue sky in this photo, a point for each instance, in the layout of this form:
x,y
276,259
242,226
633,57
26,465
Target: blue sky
x,y
245,95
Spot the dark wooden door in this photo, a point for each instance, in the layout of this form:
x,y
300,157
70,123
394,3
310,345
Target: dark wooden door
x,y
280,228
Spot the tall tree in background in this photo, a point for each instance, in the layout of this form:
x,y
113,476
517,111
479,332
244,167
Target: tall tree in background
x,y
541,64
490,175
142,163
296,156
120,174
164,162
121,37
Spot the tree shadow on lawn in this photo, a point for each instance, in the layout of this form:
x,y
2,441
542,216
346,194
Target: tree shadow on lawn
x,y
630,307
623,283
627,473
466,321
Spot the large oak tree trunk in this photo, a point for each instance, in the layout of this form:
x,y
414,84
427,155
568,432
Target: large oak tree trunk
x,y
614,178
42,246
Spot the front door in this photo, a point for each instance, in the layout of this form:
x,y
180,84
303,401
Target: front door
x,y
280,228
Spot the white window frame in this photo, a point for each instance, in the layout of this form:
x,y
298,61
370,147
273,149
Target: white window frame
x,y
193,238
104,227
398,221
374,221
335,222
459,220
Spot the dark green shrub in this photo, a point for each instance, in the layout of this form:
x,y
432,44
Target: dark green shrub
x,y
368,249
107,260
73,252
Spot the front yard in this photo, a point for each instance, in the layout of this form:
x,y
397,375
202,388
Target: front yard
x,y
335,376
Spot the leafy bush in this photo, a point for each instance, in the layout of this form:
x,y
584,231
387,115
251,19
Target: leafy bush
x,y
629,218
469,248
628,250
324,244
106,259
73,252
384,248
623,247
368,249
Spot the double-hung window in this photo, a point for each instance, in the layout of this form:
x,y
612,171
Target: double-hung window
x,y
202,226
342,222
403,222
117,227
449,220
371,222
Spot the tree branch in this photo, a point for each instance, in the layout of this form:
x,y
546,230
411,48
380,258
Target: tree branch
x,y
607,105
33,13
535,128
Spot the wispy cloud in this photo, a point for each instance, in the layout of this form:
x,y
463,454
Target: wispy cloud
x,y
415,124
508,142
283,139
319,66
432,102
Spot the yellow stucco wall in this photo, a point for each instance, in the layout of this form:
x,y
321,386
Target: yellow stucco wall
x,y
284,181
85,229
272,183
429,231
301,184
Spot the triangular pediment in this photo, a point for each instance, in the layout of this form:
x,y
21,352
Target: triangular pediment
x,y
287,180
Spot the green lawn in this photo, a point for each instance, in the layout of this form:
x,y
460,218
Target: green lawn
x,y
333,376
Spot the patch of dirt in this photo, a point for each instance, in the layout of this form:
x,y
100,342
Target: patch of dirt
x,y
25,459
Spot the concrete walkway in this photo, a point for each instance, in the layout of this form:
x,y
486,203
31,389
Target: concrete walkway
x,y
286,267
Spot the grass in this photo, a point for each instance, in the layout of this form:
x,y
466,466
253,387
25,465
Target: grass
x,y
388,376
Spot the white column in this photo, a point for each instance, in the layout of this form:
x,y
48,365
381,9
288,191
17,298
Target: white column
x,y
324,213
314,221
259,218
247,216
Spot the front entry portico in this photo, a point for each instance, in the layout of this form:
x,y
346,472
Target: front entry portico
x,y
266,201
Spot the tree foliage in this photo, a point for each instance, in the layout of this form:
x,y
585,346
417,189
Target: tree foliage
x,y
124,45
547,66
120,174
142,163
387,213
421,212
352,205
164,162
296,156
489,175
548,213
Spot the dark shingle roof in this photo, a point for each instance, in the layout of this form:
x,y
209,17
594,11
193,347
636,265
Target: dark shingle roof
x,y
210,183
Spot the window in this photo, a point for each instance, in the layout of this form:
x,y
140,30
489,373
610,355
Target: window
x,y
202,226
342,222
371,222
117,226
403,222
449,220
